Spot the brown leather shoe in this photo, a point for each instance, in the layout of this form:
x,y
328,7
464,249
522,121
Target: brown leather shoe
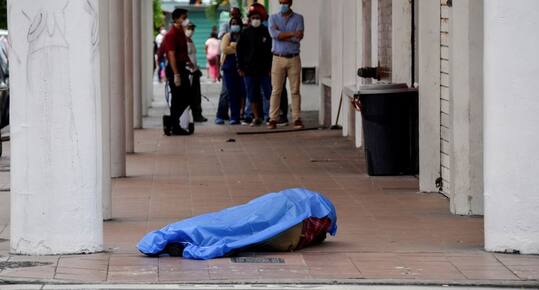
x,y
298,124
272,125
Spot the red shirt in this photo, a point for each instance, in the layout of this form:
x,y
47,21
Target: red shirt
x,y
313,232
175,40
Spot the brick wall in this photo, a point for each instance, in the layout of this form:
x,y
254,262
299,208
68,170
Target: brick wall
x,y
445,124
384,38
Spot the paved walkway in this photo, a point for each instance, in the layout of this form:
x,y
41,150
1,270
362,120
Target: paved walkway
x,y
388,232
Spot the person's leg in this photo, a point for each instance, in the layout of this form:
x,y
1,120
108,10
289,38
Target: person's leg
x,y
294,77
222,108
283,120
196,106
278,70
250,88
232,82
265,84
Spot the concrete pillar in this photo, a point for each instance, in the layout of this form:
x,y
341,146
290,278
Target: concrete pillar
x,y
117,88
429,94
511,103
337,40
401,48
466,95
147,57
104,47
128,76
56,156
137,64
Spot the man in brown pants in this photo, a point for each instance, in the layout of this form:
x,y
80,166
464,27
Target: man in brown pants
x,y
286,28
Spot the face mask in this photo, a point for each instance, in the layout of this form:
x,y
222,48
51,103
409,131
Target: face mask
x,y
189,33
235,28
256,22
285,8
185,22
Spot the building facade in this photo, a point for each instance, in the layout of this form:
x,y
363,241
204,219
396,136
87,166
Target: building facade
x,y
89,64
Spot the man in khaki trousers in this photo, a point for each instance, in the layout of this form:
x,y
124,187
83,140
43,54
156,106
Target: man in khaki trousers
x,y
287,29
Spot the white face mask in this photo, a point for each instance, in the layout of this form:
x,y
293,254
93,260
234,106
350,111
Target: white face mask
x,y
256,22
189,33
185,22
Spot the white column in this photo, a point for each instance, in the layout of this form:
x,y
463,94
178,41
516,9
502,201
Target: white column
x,y
429,94
466,90
401,48
137,64
56,156
148,59
128,76
117,88
511,103
104,47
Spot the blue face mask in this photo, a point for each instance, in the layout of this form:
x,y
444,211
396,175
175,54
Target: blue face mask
x,y
285,8
235,28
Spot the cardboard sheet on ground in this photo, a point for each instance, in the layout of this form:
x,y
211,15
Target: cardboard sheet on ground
x,y
217,234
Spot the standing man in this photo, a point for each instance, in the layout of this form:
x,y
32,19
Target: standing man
x,y
175,47
254,63
286,28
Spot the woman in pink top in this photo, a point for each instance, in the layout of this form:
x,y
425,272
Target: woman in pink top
x,y
213,53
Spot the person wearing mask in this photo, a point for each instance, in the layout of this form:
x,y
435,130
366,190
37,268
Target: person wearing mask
x,y
287,30
176,51
231,77
196,98
213,53
222,109
254,63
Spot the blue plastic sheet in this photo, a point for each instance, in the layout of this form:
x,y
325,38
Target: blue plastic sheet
x,y
216,234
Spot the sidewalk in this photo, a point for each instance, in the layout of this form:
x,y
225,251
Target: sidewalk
x,y
388,232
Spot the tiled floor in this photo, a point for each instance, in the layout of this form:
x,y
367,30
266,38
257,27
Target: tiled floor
x,y
387,230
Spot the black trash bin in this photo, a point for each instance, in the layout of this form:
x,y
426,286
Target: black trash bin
x,y
390,125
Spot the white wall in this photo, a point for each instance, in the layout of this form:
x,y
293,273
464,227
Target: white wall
x,y
511,142
56,135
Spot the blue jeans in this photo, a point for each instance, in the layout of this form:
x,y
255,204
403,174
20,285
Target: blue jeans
x,y
235,87
258,89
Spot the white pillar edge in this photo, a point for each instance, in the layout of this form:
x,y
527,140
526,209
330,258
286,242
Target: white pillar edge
x,y
117,89
401,37
466,101
137,64
128,77
429,94
105,105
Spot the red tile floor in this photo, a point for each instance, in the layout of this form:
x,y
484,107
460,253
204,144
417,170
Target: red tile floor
x,y
387,230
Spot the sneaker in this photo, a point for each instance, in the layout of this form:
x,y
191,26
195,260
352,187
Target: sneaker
x,y
200,119
219,121
256,122
245,123
282,123
234,122
298,124
272,125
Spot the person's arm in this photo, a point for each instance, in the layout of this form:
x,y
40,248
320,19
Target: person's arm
x,y
240,47
227,47
276,33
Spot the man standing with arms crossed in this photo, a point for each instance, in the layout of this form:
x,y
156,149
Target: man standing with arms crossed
x,y
287,29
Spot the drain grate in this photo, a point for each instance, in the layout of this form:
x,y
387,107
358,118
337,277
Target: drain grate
x,y
26,264
257,260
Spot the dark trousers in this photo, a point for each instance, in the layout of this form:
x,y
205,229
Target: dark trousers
x,y
284,104
236,91
258,89
222,108
196,91
181,96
